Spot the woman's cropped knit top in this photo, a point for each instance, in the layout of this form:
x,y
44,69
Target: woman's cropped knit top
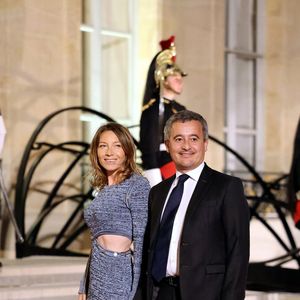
x,y
116,209
122,209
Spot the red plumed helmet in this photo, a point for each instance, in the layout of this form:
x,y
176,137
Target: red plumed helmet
x,y
166,44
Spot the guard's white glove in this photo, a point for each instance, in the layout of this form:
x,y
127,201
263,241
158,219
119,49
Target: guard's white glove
x,y
153,176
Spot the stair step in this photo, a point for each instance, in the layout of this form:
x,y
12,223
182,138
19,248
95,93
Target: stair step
x,y
55,292
40,277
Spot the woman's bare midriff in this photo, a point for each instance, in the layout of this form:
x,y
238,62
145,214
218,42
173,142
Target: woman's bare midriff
x,y
116,243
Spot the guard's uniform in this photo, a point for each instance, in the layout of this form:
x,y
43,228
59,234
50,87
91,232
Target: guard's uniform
x,y
294,180
154,154
156,111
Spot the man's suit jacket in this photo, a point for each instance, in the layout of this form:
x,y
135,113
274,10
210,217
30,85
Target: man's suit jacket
x,y
214,246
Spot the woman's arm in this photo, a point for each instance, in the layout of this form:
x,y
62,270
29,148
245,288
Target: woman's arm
x,y
138,205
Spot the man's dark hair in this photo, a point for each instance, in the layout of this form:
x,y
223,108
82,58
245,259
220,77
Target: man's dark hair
x,y
184,116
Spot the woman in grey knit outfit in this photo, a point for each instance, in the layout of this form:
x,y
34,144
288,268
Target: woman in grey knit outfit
x,y
116,217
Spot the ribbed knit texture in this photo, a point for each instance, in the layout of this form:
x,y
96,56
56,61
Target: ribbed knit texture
x,y
120,209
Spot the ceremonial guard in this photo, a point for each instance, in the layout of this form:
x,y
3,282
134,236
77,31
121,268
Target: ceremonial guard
x,y
164,84
294,180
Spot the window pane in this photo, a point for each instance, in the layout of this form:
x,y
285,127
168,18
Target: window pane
x,y
114,15
241,26
245,147
115,76
244,93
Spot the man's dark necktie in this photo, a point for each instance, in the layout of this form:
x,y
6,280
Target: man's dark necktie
x,y
162,246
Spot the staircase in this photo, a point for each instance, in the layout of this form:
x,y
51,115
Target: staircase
x,y
40,277
57,278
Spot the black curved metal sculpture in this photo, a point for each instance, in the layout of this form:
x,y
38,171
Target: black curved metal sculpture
x,y
27,170
269,275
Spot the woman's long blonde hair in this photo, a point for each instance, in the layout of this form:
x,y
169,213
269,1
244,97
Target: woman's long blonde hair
x,y
99,176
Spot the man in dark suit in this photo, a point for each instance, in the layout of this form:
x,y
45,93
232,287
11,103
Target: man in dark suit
x,y
198,248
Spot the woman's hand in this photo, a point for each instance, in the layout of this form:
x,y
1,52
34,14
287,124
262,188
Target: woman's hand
x,y
81,296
